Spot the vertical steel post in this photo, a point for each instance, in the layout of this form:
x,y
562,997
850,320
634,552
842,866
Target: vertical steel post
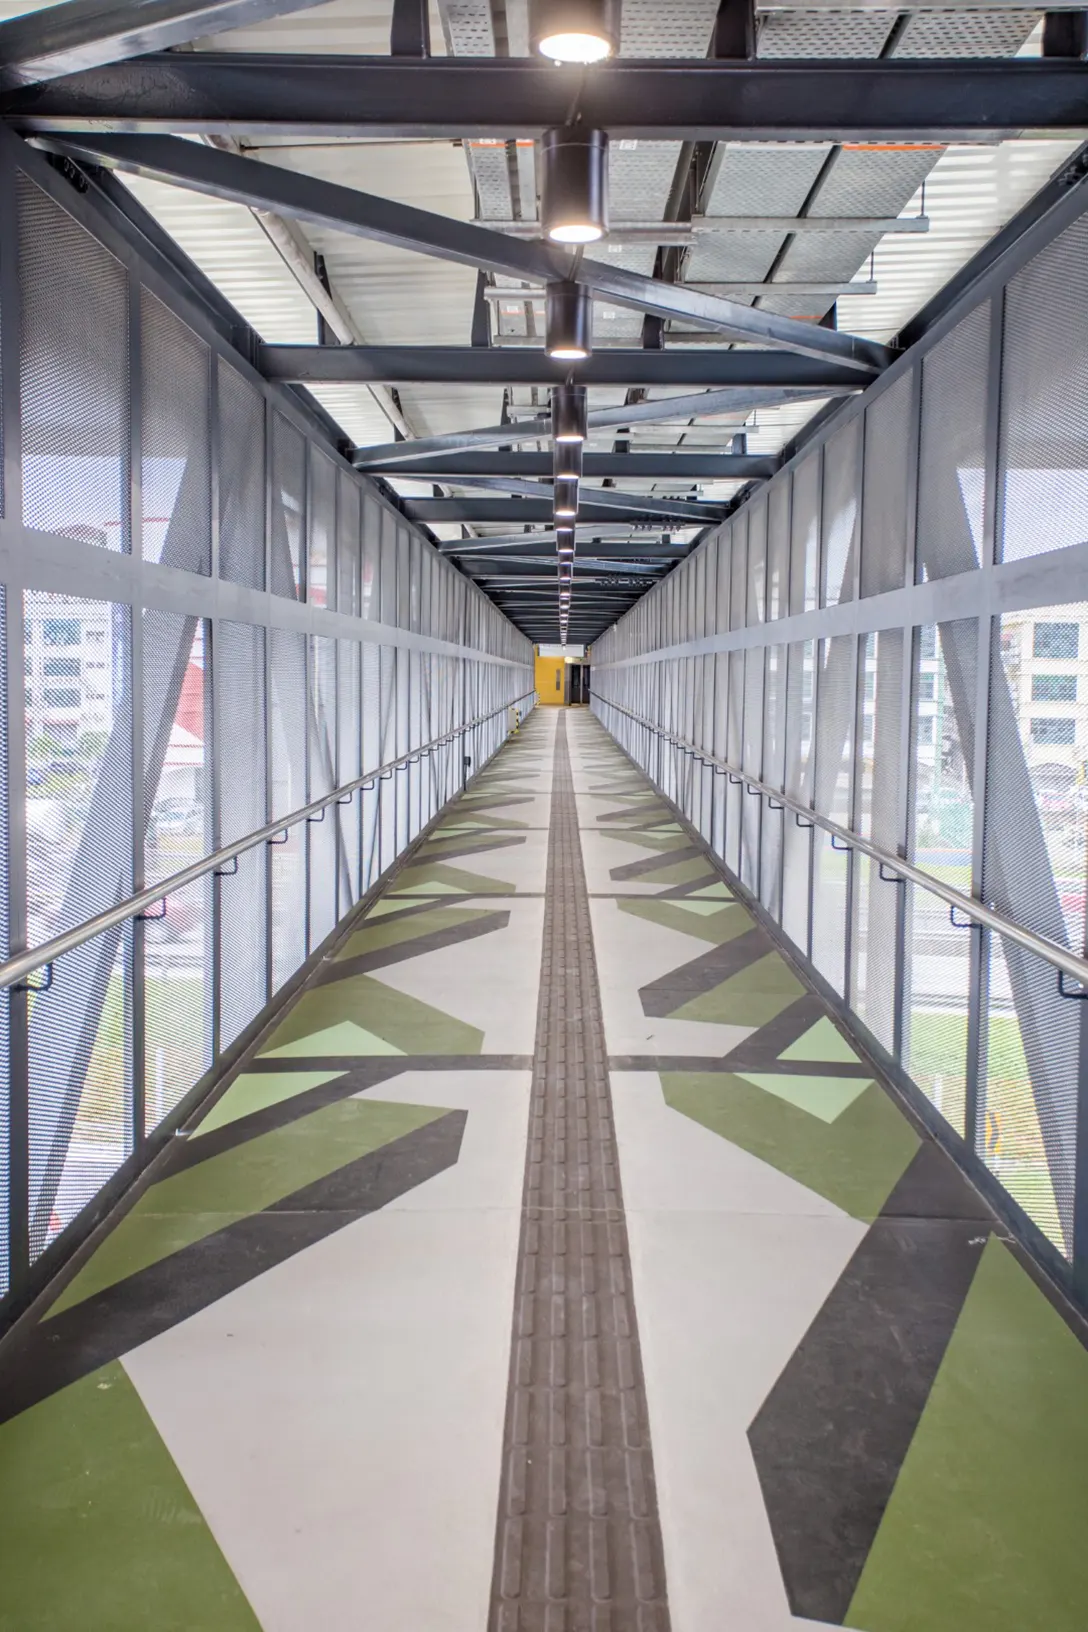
x,y
15,646
136,978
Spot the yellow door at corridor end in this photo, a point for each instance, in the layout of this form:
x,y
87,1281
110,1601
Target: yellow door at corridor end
x,y
550,679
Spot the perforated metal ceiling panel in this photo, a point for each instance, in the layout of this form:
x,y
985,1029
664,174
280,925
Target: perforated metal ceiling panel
x,y
824,33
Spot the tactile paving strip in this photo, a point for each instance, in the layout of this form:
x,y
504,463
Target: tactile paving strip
x,y
579,1539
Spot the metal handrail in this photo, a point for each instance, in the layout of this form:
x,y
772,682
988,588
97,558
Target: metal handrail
x,y
1067,962
39,957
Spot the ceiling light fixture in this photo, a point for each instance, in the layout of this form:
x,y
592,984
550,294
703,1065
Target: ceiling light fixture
x,y
568,323
580,31
569,413
566,498
574,184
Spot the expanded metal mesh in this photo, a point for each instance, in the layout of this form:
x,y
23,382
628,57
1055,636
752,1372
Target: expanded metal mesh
x,y
241,458
961,744
141,729
73,377
175,440
952,453
1044,401
241,744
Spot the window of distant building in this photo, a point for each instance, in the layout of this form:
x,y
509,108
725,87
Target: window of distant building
x,y
1059,732
1056,640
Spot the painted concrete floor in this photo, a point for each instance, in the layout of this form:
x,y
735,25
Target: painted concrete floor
x,y
282,1393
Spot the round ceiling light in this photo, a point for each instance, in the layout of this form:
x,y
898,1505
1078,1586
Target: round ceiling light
x,y
569,413
568,322
581,31
574,184
566,498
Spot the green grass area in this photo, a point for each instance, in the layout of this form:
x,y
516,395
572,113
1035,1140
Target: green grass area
x,y
175,1031
1012,1139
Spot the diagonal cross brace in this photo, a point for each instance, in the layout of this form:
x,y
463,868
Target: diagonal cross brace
x,y
694,405
67,39
344,209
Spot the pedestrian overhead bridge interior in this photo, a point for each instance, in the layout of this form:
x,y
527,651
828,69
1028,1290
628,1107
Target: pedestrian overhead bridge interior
x,y
475,1166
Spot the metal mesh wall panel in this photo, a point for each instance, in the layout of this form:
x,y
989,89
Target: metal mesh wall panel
x,y
888,479
961,744
240,743
323,778
878,816
289,792
142,730
805,535
778,550
175,440
1044,401
757,564
177,823
73,383
240,454
80,1086
178,1000
322,530
349,764
288,481
841,505
952,451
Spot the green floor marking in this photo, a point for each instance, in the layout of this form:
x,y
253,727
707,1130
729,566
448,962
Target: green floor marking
x,y
825,1097
854,1162
751,997
408,1024
101,1532
823,1042
678,872
197,1202
642,841
439,878
343,1038
711,892
256,1090
382,907
371,937
985,1530
714,921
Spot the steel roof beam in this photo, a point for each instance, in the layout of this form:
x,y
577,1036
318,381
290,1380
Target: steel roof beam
x,y
88,34
219,174
684,233
740,291
694,512
700,404
502,512
454,98
476,552
713,366
650,467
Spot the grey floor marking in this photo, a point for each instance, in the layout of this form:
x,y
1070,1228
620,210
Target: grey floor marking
x,y
579,1539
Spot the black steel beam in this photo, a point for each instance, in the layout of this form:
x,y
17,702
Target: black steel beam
x,y
712,366
220,174
697,405
502,512
692,512
653,554
87,34
503,97
650,467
